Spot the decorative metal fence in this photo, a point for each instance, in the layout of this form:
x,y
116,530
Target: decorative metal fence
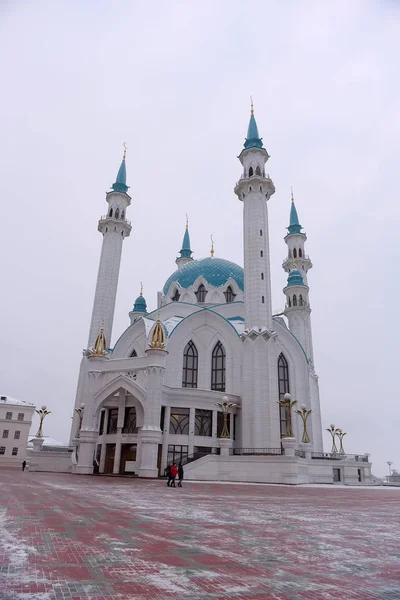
x,y
56,449
255,451
300,453
335,456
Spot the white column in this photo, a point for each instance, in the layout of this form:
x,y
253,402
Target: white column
x,y
120,424
164,457
102,457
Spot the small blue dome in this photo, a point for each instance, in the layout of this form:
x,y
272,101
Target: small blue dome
x,y
295,277
216,271
140,305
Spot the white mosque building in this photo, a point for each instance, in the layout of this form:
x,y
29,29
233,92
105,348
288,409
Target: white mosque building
x,y
212,345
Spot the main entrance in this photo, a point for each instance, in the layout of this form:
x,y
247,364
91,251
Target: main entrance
x,y
128,459
110,455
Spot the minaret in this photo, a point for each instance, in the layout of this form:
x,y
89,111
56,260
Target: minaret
x,y
295,240
254,189
114,227
297,263
259,414
186,252
139,308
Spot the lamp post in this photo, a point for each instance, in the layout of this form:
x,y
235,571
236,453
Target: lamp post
x,y
79,411
340,435
332,430
287,403
225,406
304,414
42,412
389,464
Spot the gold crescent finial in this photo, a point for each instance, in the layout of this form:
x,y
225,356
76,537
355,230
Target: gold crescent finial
x,y
212,245
187,222
125,147
141,288
102,323
291,190
252,106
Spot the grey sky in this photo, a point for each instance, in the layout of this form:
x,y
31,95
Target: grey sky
x,y
173,79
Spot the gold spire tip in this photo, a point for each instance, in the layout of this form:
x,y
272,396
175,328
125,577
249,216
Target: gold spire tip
x,y
252,106
125,147
212,245
187,222
291,191
141,288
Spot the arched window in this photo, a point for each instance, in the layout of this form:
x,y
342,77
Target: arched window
x,y
300,300
176,296
133,353
294,300
251,172
289,302
229,295
201,293
262,299
262,275
123,215
294,253
218,368
283,384
261,253
258,171
300,252
111,212
117,213
190,366
260,231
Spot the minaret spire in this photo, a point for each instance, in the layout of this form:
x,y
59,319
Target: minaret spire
x,y
186,251
114,228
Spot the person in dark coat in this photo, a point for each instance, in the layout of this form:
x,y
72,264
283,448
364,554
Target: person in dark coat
x,y
174,473
180,474
24,465
168,473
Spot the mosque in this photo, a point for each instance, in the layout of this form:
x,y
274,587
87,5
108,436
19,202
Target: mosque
x,y
211,378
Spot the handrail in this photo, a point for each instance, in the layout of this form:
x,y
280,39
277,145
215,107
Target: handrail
x,y
336,456
255,451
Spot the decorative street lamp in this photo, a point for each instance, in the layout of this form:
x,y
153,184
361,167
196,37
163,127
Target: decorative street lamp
x,y
225,405
332,430
304,414
340,435
389,464
287,403
80,414
42,412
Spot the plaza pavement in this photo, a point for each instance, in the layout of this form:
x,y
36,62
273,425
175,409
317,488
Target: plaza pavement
x,y
66,537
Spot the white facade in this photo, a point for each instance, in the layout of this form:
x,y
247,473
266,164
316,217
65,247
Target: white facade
x,y
152,399
15,423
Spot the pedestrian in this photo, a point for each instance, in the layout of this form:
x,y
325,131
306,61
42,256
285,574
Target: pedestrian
x,y
174,473
168,474
180,474
24,465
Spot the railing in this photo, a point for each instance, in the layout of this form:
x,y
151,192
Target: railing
x,y
291,259
300,453
105,217
263,176
255,451
393,479
195,456
335,456
56,449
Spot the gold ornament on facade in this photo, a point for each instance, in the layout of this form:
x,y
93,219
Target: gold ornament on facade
x,y
158,336
304,414
225,406
100,344
42,412
287,404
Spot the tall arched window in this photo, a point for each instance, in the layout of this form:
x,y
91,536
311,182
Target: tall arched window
x,y
229,295
111,212
201,293
251,172
294,300
190,366
117,213
122,214
283,384
218,368
300,252
294,253
300,300
289,302
258,171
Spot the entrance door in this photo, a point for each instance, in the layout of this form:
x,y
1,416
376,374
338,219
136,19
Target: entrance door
x,y
128,459
110,455
336,475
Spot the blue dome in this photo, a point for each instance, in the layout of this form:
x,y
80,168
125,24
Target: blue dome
x,y
216,271
295,278
140,305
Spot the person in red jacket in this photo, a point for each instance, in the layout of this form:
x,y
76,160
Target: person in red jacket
x,y
173,474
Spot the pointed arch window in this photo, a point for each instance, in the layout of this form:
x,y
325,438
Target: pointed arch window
x,y
294,300
283,384
190,366
176,296
300,300
117,213
294,253
201,293
251,172
111,212
229,295
133,353
123,215
289,302
258,171
218,368
300,252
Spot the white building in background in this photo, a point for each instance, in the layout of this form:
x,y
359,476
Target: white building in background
x,y
15,423
152,399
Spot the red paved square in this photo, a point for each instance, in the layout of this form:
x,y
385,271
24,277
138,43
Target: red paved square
x,y
66,537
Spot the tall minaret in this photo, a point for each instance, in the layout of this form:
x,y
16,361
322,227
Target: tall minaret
x,y
185,252
254,189
259,414
297,263
114,228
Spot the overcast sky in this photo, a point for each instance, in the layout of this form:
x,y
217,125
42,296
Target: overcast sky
x,y
173,80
